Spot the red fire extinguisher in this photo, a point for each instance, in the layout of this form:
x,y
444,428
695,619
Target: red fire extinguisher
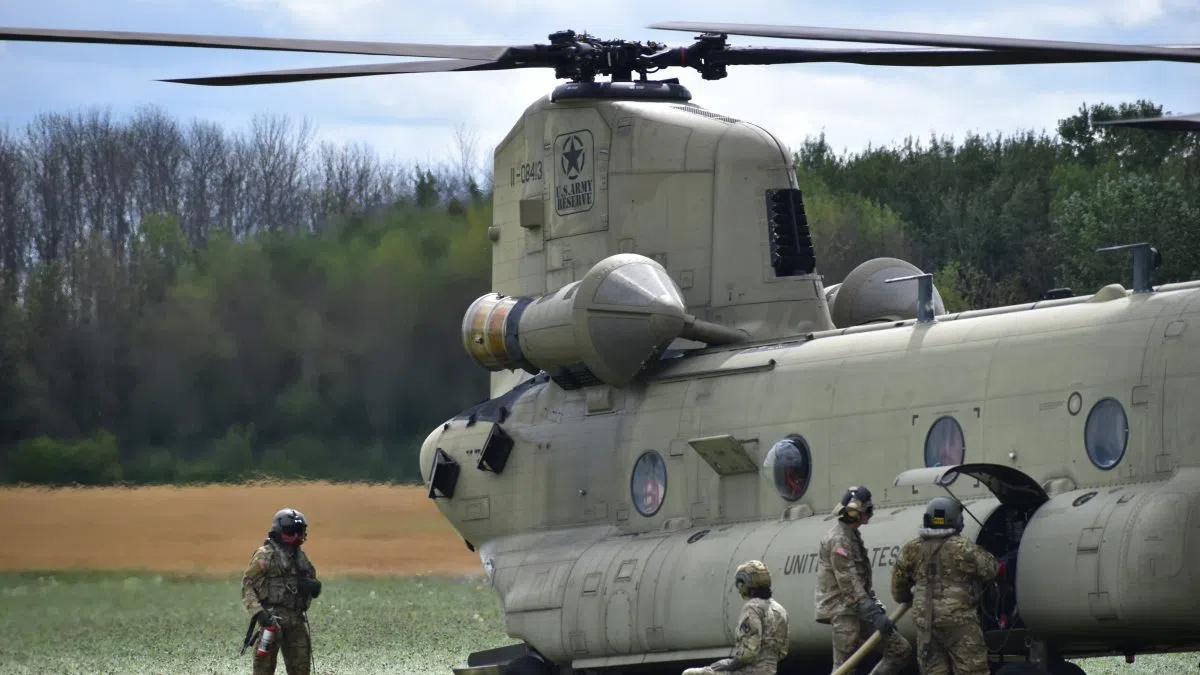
x,y
264,643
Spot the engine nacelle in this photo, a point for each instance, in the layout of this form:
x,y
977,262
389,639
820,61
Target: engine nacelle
x,y
864,296
1114,566
604,327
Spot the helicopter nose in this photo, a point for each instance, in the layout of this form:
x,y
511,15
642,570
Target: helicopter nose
x,y
428,448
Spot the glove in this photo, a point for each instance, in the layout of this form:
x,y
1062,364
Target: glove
x,y
310,587
265,618
883,624
874,613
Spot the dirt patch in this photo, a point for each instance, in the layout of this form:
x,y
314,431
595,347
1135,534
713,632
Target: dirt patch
x,y
353,529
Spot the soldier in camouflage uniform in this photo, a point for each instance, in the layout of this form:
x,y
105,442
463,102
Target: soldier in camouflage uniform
x,y
277,588
845,597
762,629
941,574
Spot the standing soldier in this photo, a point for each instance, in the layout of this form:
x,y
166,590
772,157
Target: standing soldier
x,y
762,630
845,597
941,573
277,588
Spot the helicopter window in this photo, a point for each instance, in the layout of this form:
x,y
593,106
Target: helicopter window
x,y
944,444
1106,433
648,485
791,462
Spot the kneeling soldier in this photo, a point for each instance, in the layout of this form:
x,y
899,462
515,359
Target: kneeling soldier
x,y
762,629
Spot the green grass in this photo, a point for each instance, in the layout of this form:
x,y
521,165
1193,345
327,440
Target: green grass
x,y
1144,664
94,623
143,624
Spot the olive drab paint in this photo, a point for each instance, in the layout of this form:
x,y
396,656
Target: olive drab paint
x,y
872,402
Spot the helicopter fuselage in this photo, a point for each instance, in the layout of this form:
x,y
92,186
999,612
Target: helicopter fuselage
x,y
620,472
583,574
1089,398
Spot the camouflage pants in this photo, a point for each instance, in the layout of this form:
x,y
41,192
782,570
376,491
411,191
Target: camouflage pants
x,y
850,632
953,649
293,639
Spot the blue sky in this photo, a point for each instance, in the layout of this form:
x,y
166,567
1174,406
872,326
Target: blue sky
x,y
414,117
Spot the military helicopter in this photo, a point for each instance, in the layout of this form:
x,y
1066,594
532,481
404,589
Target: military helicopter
x,y
675,389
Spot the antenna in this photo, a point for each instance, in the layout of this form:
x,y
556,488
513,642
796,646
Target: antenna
x,y
1145,258
924,295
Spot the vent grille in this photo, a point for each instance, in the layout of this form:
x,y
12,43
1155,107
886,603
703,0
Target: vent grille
x,y
706,113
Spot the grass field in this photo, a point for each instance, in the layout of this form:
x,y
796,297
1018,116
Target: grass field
x,y
146,581
97,623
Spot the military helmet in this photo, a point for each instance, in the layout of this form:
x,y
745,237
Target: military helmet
x,y
943,513
289,521
855,503
751,575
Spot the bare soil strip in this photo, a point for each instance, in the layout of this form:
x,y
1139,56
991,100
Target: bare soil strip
x,y
213,530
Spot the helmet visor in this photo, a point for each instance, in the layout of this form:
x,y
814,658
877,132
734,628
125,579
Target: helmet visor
x,y
294,528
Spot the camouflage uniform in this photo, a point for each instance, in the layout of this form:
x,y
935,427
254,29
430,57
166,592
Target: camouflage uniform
x,y
271,583
762,641
843,587
940,573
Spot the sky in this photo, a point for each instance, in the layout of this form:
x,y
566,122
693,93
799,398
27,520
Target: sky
x,y
417,117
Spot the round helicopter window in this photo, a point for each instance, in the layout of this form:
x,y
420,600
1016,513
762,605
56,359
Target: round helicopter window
x,y
944,444
791,463
1106,433
648,485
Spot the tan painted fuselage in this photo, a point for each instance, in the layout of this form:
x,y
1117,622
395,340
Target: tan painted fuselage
x,y
587,579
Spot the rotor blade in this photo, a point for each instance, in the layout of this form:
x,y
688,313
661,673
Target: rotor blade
x,y
912,57
480,52
928,39
334,72
1173,123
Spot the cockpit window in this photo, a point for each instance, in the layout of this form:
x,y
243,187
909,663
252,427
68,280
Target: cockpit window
x,y
1106,433
648,485
945,444
790,462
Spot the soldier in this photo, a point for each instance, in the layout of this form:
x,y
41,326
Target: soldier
x,y
762,630
277,588
845,597
941,574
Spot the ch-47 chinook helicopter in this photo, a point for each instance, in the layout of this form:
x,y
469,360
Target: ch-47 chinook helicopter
x,y
675,390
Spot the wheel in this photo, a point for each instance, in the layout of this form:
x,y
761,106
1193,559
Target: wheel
x,y
1066,668
526,665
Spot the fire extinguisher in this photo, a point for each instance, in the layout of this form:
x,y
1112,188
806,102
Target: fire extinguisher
x,y
264,643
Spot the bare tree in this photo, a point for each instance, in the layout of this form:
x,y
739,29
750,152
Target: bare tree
x,y
207,154
14,215
159,151
277,159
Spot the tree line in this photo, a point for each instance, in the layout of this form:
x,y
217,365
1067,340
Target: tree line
x,y
185,303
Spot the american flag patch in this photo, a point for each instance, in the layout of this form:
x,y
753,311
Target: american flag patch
x,y
841,551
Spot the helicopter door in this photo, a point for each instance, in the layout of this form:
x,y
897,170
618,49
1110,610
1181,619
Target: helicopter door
x,y
1011,486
